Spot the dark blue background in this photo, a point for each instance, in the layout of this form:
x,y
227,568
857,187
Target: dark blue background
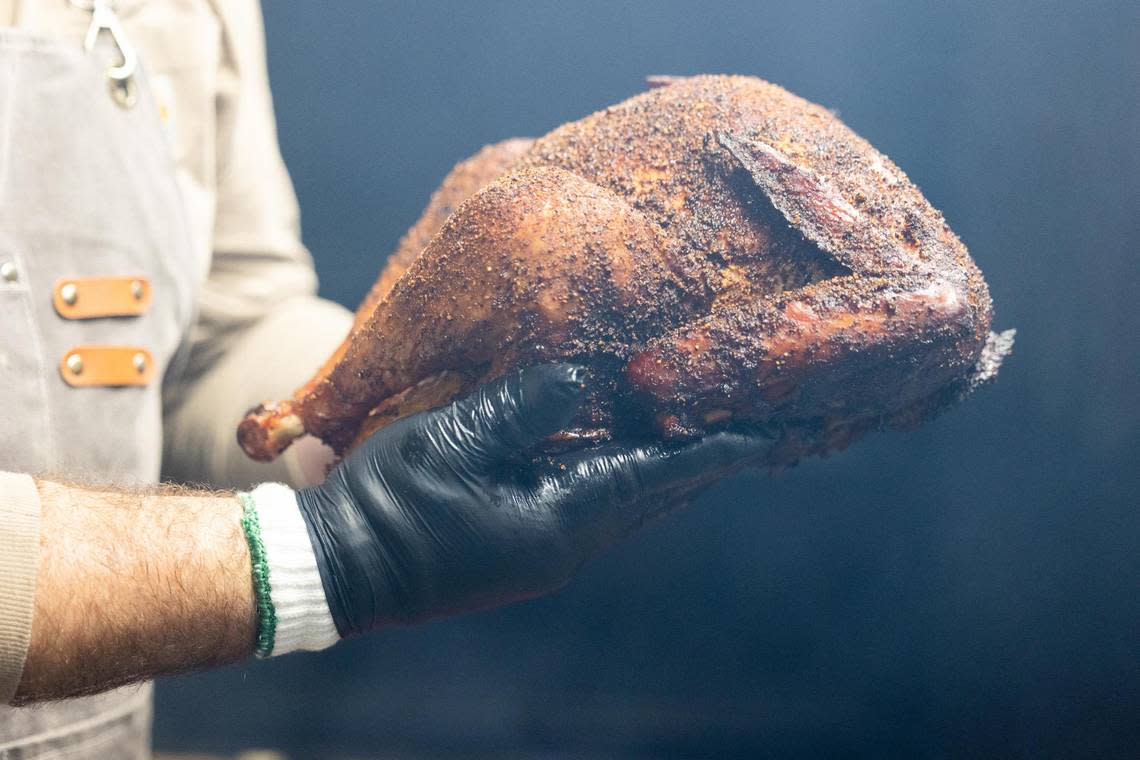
x,y
970,588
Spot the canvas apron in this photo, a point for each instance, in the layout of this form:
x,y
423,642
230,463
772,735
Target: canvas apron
x,y
88,198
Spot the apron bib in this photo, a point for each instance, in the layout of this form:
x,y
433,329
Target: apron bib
x,y
97,284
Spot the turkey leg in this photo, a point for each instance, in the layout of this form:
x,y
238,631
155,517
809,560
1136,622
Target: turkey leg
x,y
553,266
464,180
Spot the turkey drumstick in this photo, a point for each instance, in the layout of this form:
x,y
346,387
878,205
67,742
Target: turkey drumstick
x,y
552,266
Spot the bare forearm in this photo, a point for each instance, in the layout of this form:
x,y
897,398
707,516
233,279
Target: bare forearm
x,y
135,585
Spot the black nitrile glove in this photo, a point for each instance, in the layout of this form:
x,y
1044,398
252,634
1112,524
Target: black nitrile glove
x,y
443,512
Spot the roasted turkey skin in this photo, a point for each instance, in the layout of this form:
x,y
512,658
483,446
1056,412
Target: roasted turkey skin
x,y
718,251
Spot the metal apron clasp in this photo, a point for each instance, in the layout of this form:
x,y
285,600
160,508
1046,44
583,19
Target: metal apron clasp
x,y
104,19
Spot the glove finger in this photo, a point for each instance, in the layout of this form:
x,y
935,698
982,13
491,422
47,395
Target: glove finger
x,y
515,412
631,472
616,489
701,462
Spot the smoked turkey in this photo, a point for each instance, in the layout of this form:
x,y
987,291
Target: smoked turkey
x,y
719,253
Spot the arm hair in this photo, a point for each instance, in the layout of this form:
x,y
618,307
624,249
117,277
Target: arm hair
x,y
134,585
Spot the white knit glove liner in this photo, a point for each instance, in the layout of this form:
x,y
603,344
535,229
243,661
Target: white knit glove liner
x,y
303,618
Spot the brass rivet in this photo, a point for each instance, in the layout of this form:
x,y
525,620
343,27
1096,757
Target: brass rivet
x,y
139,360
69,293
137,290
75,364
9,272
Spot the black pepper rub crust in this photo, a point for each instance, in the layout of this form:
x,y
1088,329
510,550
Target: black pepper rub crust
x,y
719,251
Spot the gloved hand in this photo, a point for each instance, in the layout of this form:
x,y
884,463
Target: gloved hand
x,y
443,512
